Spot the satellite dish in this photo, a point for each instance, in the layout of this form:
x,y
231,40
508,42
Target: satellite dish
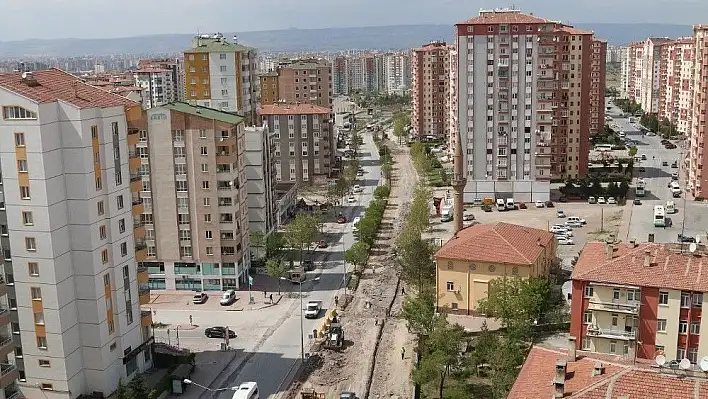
x,y
692,247
685,364
660,360
704,363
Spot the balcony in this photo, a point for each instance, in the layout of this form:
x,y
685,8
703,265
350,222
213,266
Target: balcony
x,y
133,136
138,206
145,318
8,374
3,285
140,251
143,275
611,333
4,316
143,296
13,393
136,183
6,346
626,308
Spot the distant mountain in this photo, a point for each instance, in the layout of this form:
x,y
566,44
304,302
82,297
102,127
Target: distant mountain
x,y
296,40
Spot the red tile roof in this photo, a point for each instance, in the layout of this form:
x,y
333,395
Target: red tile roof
x,y
498,243
57,85
668,269
535,380
292,109
574,31
504,17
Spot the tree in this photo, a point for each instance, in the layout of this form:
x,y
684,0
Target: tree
x,y
419,313
517,302
400,125
443,353
357,254
274,244
277,269
386,171
122,392
366,230
415,259
137,387
623,189
633,151
257,241
338,190
301,232
382,192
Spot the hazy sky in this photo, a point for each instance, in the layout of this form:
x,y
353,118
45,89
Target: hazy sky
x,y
23,19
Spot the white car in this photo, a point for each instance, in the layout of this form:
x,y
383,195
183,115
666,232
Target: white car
x,y
227,298
573,224
601,200
560,213
540,204
560,230
611,200
355,222
564,241
351,199
357,189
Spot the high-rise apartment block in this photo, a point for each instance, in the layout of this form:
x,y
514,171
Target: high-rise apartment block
x,y
298,81
303,135
69,197
261,177
677,95
530,94
157,84
634,61
221,75
430,90
697,181
396,73
388,73
192,168
340,75
653,84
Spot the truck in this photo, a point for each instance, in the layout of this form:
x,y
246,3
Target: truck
x,y
446,213
312,309
641,188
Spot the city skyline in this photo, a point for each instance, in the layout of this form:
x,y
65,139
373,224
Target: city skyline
x,y
66,18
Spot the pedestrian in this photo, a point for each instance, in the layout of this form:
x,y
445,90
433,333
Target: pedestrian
x,y
264,293
271,298
190,320
403,352
403,290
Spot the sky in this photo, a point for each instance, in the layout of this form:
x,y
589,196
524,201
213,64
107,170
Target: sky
x,y
54,19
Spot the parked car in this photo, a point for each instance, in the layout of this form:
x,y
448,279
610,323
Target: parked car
x,y
664,163
563,198
322,244
592,200
674,165
611,200
348,395
549,204
341,219
573,224
467,217
227,298
219,332
683,238
522,205
199,298
560,213
540,204
637,202
487,208
674,176
351,199
642,169
564,241
601,200
357,189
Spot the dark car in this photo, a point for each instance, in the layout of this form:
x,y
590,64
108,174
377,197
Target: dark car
x,y
563,199
664,163
218,332
683,238
522,205
549,204
642,169
674,165
341,219
487,208
637,202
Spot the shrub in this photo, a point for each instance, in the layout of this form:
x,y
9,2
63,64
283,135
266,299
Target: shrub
x,y
382,192
700,198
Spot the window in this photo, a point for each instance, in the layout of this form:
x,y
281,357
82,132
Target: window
x,y
207,218
102,232
661,325
119,178
36,293
39,318
692,355
46,386
614,320
659,348
205,168
588,291
205,184
33,268
695,327
20,139
222,68
450,286
587,317
680,353
18,113
204,151
100,208
663,298
42,343
685,300
119,201
104,256
634,295
208,234
210,251
616,293
697,300
22,166
99,184
44,363
25,192
207,201
30,244
613,346
202,134
123,249
586,343
121,226
683,327
27,218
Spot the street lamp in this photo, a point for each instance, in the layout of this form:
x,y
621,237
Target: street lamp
x,y
302,317
190,382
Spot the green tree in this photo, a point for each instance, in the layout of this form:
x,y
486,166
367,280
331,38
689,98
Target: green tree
x,y
257,242
301,232
443,354
366,230
277,269
274,243
338,190
517,302
137,387
419,313
623,189
633,151
386,171
382,192
504,362
357,254
122,392
415,259
401,121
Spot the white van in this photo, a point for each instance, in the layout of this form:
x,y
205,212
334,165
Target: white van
x,y
501,206
510,204
247,390
670,207
355,222
576,219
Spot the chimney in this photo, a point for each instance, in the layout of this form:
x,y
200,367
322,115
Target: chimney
x,y
559,380
571,349
609,251
598,369
647,258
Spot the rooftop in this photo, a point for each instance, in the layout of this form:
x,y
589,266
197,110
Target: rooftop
x,y
204,112
504,16
53,85
292,109
497,243
574,31
151,69
643,265
535,380
215,45
309,63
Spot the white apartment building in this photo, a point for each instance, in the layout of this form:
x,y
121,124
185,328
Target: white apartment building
x,y
652,72
158,86
451,107
677,101
73,246
355,71
397,73
261,176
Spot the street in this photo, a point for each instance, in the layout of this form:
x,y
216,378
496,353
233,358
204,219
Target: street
x,y
277,353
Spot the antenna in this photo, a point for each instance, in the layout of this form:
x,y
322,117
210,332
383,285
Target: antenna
x,y
704,363
692,247
660,360
685,364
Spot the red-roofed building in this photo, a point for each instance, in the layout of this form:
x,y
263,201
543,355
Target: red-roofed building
x,y
483,252
640,300
303,135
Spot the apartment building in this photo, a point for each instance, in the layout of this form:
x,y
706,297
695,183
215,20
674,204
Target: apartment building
x,y
72,243
299,80
396,73
158,86
696,180
221,75
260,179
192,167
430,90
452,101
530,94
653,72
639,300
355,72
176,68
303,136
635,64
676,101
340,76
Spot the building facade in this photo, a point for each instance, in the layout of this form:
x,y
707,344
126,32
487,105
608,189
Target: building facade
x,y
303,136
261,180
484,252
298,81
635,62
697,181
639,300
176,68
530,95
430,90
73,244
158,86
653,72
452,101
194,186
676,101
397,73
340,76
221,75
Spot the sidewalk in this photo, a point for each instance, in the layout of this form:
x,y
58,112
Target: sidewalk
x,y
623,232
209,366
